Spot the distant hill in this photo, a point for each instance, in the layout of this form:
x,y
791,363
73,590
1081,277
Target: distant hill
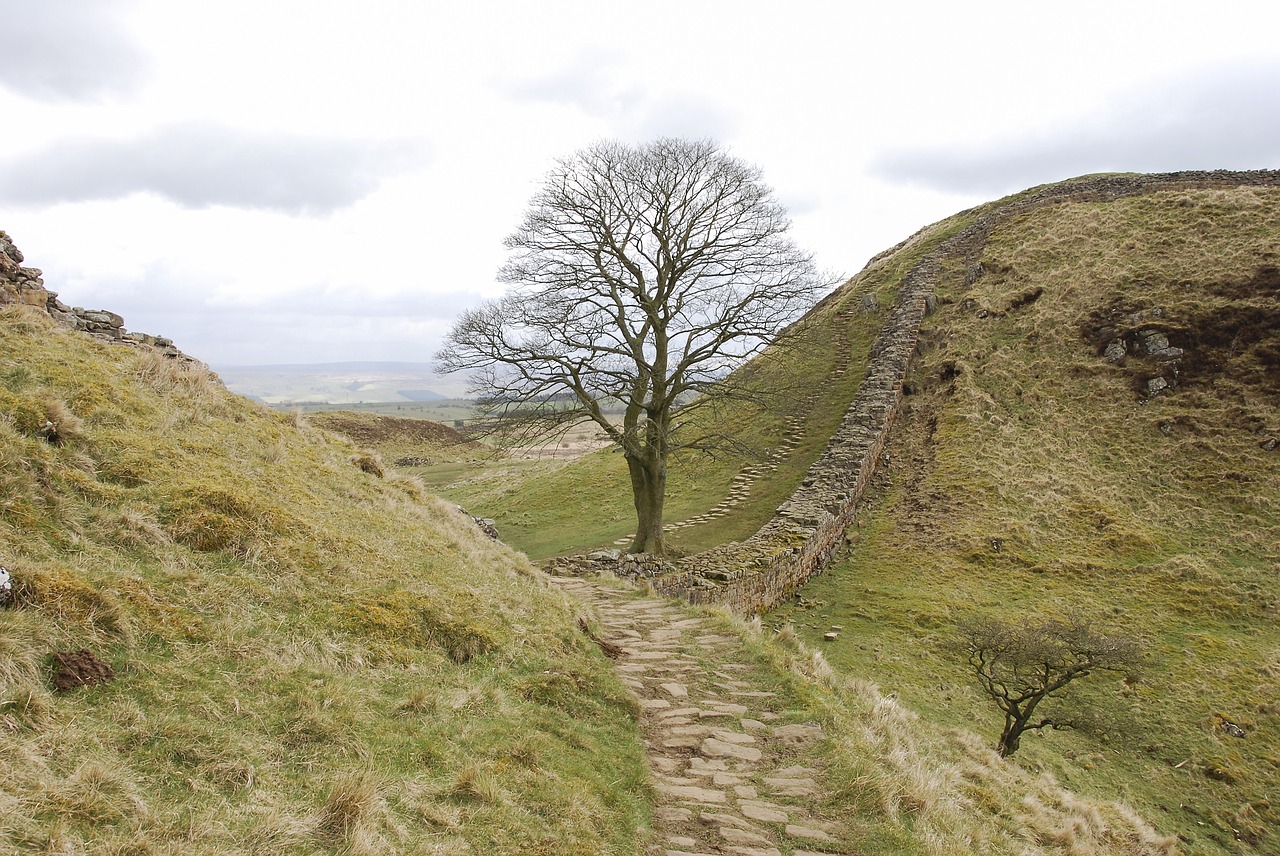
x,y
403,442
340,383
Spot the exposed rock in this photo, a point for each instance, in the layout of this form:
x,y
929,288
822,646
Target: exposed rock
x,y
798,735
25,286
796,831
487,525
869,305
762,811
713,748
1156,344
1115,352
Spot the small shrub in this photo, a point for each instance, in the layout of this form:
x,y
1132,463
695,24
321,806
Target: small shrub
x,y
97,792
44,415
476,783
207,530
212,517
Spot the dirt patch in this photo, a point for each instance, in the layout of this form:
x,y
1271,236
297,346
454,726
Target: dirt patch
x,y
81,668
1265,283
1240,340
1231,334
1025,299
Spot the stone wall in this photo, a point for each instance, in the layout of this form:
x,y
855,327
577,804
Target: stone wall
x,y
25,286
769,567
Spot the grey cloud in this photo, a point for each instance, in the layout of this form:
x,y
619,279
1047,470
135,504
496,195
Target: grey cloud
x,y
251,339
197,166
68,50
1222,118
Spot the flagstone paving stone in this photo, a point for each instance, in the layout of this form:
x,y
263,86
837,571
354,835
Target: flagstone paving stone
x,y
725,777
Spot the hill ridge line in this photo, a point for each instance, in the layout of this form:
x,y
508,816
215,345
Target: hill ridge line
x,y
754,575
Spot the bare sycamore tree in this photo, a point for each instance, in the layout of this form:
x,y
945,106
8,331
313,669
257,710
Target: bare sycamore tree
x,y
1020,664
640,277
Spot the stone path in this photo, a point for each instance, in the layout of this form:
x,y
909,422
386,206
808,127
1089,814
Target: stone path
x,y
731,774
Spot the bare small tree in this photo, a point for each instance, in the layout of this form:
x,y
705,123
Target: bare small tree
x,y
1020,664
640,278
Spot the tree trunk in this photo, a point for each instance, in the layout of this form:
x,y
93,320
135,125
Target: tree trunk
x,y
648,488
1011,739
1009,743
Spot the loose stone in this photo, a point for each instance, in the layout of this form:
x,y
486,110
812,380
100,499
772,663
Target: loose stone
x,y
760,811
806,832
692,793
713,748
721,819
741,836
731,736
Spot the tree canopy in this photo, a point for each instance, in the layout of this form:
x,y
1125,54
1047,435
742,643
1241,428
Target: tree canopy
x,y
640,277
1022,663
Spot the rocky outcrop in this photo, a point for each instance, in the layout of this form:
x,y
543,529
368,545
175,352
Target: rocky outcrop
x,y
754,575
25,286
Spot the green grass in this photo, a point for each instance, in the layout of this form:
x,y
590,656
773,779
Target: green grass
x,y
309,658
1160,517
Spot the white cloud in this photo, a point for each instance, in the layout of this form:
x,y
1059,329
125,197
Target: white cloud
x,y
600,83
66,50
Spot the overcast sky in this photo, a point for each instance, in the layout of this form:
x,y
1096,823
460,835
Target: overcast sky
x,y
297,182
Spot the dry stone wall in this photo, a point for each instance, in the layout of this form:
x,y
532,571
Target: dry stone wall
x,y
25,286
768,568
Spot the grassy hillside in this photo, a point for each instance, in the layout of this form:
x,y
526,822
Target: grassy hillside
x,y
307,657
1033,474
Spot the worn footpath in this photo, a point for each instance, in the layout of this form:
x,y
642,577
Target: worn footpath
x,y
729,765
